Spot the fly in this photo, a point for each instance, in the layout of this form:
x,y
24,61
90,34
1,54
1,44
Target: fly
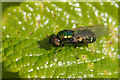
x,y
75,36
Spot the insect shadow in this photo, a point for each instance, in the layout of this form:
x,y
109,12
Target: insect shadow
x,y
44,44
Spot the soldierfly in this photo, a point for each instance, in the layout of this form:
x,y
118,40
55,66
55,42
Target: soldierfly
x,y
85,35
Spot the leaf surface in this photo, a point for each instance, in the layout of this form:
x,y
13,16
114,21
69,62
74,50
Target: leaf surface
x,y
25,47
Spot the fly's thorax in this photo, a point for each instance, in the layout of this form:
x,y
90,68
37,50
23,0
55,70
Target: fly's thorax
x,y
65,34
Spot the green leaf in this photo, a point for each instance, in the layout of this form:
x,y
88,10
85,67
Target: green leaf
x,y
25,48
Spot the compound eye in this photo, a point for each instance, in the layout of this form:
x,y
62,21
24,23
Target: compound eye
x,y
54,40
57,41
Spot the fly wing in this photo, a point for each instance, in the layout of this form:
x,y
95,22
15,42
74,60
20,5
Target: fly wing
x,y
98,30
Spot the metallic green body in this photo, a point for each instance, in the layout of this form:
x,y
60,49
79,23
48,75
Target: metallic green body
x,y
80,36
66,36
77,36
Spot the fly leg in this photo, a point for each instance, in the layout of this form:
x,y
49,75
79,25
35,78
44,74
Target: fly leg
x,y
90,49
58,51
75,51
86,44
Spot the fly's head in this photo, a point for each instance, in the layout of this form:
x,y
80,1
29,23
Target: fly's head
x,y
54,40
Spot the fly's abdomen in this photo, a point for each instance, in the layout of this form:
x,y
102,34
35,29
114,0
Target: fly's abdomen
x,y
85,36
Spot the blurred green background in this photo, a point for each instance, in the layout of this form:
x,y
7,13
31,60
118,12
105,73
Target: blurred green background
x,y
58,25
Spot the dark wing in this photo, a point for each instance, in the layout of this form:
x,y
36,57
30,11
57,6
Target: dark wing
x,y
98,30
